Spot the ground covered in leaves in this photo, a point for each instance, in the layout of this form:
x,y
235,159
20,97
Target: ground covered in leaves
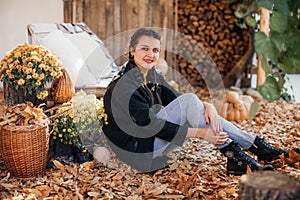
x,y
198,170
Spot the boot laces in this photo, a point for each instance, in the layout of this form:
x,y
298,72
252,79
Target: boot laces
x,y
270,147
245,156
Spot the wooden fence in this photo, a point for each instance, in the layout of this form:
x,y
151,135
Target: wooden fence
x,y
113,21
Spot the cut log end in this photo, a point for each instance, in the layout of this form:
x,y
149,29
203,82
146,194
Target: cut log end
x,y
269,185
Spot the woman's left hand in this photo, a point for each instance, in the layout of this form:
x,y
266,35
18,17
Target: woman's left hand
x,y
212,117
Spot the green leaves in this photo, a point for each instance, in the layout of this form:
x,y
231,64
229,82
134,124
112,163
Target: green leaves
x,y
279,49
270,90
265,65
278,22
264,46
253,110
280,5
266,4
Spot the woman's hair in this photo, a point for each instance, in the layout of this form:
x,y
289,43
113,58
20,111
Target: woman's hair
x,y
138,34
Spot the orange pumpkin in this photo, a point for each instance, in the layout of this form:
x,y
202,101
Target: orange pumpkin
x,y
236,108
244,113
63,89
232,97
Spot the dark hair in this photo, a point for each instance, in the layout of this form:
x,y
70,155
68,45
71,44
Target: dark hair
x,y
138,34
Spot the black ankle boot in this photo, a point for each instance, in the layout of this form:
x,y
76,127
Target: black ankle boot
x,y
237,160
264,151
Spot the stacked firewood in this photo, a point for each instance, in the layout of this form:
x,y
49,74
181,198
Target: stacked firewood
x,y
212,39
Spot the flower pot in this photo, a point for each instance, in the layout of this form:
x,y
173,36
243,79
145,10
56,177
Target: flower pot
x,y
13,96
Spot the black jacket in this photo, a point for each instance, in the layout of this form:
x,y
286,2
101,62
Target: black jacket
x,y
131,108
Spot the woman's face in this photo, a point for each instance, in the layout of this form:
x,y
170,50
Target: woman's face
x,y
146,52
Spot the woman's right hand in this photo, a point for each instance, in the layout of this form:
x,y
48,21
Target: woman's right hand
x,y
208,134
215,138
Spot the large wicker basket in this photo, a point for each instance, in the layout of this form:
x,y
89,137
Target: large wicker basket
x,y
24,149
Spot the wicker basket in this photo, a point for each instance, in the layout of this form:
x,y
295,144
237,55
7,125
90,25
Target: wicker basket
x,y
24,149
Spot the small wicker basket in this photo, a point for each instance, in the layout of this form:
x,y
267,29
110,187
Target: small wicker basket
x,y
24,149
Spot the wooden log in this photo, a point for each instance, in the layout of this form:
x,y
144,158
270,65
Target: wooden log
x,y
269,185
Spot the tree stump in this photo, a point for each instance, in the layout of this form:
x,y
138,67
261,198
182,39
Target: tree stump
x,y
13,96
267,185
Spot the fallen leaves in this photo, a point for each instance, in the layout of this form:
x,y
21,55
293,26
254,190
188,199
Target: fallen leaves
x,y
197,171
22,115
292,158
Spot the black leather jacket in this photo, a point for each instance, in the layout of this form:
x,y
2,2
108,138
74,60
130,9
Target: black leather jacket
x,y
131,107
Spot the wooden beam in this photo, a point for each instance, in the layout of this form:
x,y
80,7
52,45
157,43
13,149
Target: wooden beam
x,y
264,27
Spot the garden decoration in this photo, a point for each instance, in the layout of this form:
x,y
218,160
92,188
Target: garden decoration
x,y
78,125
24,139
236,108
63,88
26,71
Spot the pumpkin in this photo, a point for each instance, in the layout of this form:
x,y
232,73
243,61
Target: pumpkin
x,y
63,88
232,97
236,107
244,113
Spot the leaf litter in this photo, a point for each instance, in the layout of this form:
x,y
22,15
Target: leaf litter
x,y
197,171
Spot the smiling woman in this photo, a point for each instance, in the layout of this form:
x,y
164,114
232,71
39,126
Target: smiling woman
x,y
145,51
148,118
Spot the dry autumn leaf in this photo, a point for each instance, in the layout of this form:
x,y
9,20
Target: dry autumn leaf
x,y
59,165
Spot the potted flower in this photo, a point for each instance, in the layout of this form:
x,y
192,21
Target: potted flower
x,y
78,126
25,72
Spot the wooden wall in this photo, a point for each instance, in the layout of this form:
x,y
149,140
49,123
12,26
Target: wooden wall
x,y
107,18
206,23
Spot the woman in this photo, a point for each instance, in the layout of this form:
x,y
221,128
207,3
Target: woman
x,y
147,118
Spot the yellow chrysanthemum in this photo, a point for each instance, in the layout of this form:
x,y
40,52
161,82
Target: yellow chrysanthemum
x,y
30,64
35,75
21,82
38,82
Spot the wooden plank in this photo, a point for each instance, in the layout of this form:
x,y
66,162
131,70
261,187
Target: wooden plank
x,y
74,13
142,12
79,11
156,13
264,27
135,14
129,14
170,42
109,23
124,28
68,11
101,21
175,44
117,29
93,15
87,9
164,13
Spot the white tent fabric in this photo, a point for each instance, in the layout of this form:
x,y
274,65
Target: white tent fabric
x,y
82,53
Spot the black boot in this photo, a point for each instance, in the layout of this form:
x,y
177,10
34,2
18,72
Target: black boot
x,y
264,151
237,160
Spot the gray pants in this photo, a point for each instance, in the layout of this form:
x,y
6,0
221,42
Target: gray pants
x,y
189,108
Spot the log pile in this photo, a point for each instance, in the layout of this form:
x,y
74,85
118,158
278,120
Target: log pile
x,y
212,40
